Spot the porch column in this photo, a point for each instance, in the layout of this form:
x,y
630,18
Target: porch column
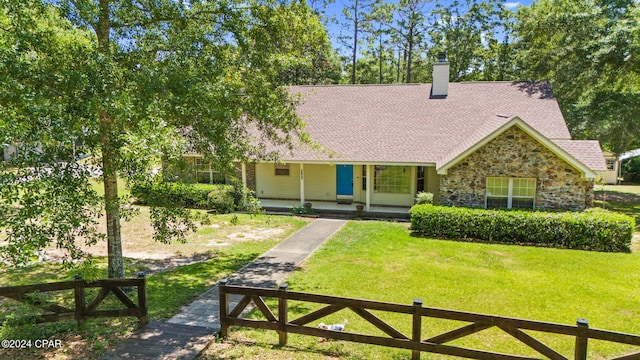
x,y
244,184
367,206
301,184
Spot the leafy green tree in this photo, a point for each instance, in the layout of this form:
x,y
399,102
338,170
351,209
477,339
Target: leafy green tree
x,y
378,40
587,50
410,29
320,63
465,32
356,16
319,7
499,59
128,82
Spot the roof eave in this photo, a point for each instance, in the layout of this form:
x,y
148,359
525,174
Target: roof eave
x,y
587,173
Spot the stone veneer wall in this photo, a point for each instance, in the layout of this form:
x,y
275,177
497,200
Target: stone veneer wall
x,y
516,154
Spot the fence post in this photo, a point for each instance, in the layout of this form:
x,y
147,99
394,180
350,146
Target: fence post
x,y
81,306
416,335
143,305
223,302
283,309
582,338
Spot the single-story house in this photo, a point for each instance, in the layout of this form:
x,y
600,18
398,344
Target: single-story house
x,y
478,144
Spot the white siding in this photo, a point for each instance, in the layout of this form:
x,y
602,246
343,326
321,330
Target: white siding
x,y
319,182
270,185
433,183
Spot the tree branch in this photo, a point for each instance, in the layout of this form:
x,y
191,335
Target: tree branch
x,y
92,24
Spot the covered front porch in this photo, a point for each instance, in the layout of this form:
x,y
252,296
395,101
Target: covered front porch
x,y
341,187
334,207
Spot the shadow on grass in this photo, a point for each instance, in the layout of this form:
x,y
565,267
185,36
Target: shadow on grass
x,y
35,274
152,266
332,352
262,271
617,197
167,291
419,235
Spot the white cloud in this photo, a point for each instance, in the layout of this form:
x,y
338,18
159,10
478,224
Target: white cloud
x,y
512,5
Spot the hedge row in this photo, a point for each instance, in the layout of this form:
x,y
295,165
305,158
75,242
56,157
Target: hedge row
x,y
594,229
219,198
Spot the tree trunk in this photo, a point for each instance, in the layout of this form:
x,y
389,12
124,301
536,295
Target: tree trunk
x,y
112,206
355,51
109,157
380,58
410,43
398,67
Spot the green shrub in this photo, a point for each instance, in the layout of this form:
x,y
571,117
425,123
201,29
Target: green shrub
x,y
221,201
166,194
302,210
246,199
424,198
595,229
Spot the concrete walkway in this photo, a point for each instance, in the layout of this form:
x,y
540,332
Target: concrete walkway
x,y
186,334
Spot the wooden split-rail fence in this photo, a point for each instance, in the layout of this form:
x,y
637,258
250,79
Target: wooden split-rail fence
x,y
397,339
84,309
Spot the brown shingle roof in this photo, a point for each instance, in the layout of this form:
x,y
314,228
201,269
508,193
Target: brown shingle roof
x,y
401,124
587,152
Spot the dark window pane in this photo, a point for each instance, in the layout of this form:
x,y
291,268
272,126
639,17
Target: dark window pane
x,y
364,177
497,202
282,169
517,203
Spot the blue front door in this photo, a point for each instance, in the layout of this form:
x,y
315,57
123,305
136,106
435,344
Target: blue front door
x,y
344,179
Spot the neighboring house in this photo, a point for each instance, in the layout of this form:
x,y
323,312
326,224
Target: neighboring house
x,y
196,169
613,169
480,144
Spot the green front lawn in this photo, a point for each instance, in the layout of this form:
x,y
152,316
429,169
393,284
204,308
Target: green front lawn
x,y
383,261
227,243
166,292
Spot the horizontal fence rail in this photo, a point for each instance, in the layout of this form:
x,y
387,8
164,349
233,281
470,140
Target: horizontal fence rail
x,y
84,309
396,339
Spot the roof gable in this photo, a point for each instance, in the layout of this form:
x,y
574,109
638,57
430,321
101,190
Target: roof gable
x,y
484,135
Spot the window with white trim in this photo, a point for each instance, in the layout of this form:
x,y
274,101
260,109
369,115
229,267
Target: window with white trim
x,y
611,164
511,193
206,173
392,179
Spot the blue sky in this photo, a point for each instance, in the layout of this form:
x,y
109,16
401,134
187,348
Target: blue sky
x,y
335,9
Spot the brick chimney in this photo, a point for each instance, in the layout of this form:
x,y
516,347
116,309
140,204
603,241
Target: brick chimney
x,y
440,83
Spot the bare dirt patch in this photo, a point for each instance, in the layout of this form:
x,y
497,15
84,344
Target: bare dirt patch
x,y
153,262
256,234
74,346
169,263
138,243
